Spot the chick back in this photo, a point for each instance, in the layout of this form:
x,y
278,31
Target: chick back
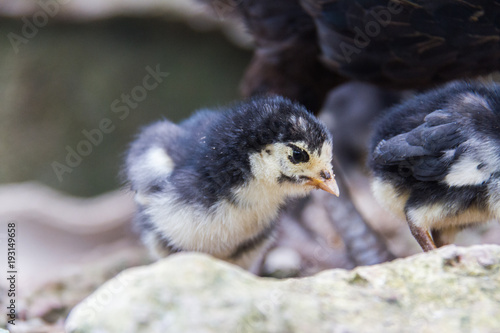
x,y
440,148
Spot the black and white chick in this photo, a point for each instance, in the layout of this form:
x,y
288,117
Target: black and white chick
x,y
215,182
436,160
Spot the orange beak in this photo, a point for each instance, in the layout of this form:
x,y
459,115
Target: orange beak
x,y
327,184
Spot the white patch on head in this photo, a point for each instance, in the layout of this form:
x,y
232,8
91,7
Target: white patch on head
x,y
389,198
267,108
301,122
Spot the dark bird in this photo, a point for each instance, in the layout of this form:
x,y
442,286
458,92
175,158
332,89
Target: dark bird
x,y
215,182
306,47
436,160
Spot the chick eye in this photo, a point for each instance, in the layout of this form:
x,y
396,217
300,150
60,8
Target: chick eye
x,y
298,156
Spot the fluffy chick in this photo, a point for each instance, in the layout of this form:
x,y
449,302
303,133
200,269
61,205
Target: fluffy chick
x,y
215,182
436,160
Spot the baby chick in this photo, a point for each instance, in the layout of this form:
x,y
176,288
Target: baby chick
x,y
436,160
215,182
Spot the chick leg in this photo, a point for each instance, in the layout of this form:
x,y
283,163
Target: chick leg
x,y
444,236
363,244
437,237
422,236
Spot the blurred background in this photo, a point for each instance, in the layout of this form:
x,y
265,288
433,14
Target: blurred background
x,y
77,80
63,64
64,78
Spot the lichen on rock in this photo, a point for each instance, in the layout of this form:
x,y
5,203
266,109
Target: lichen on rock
x,y
452,289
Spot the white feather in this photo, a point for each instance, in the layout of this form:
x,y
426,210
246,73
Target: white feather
x,y
466,171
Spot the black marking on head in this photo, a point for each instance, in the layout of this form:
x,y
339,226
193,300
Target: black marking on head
x,y
267,120
298,155
481,165
325,174
255,241
284,178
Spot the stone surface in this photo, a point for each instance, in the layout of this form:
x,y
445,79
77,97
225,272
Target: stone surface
x,y
450,290
53,300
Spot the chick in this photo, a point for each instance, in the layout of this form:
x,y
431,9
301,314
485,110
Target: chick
x,y
436,160
215,182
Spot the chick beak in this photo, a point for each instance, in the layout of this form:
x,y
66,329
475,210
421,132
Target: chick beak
x,y
326,183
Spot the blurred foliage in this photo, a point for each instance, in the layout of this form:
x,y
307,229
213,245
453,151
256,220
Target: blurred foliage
x,y
64,80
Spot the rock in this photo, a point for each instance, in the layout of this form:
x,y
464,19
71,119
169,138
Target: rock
x,y
282,262
452,289
53,300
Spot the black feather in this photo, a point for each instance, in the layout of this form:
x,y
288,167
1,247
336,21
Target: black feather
x,y
427,134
